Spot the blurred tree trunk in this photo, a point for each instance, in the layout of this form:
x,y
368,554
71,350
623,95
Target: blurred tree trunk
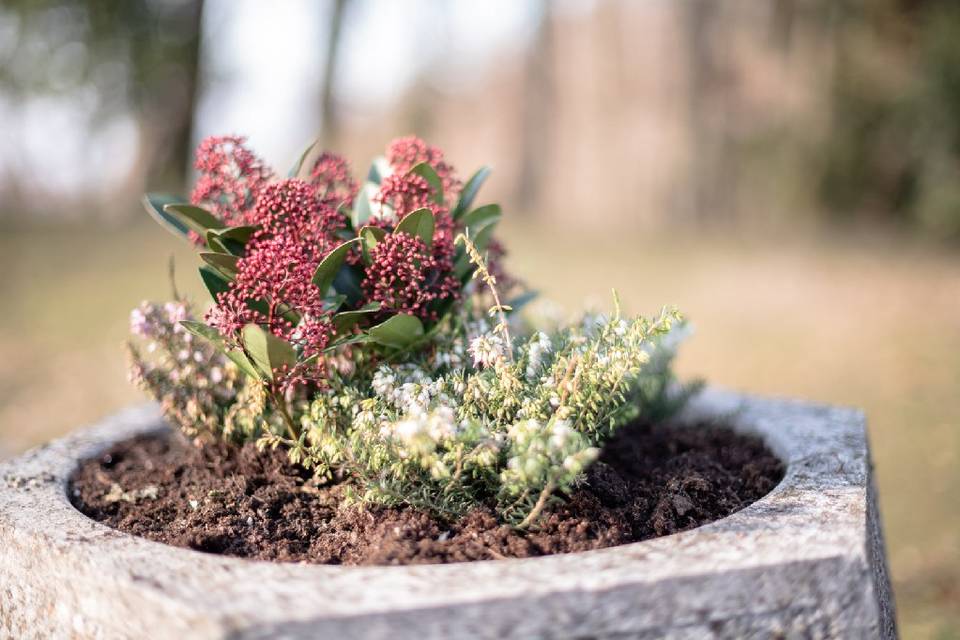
x,y
329,118
165,97
783,15
182,134
711,163
536,110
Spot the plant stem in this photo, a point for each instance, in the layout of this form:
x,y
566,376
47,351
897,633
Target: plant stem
x,y
281,405
538,507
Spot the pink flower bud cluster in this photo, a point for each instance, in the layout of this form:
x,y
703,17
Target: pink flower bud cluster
x,y
231,178
299,223
405,153
298,228
331,175
407,277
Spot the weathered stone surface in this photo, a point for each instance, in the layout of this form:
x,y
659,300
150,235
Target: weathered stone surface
x,y
806,561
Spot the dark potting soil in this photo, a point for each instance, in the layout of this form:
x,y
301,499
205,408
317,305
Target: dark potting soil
x,y
649,481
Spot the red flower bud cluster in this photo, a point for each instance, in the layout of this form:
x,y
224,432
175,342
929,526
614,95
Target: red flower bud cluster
x,y
406,276
331,175
298,229
405,153
231,178
299,224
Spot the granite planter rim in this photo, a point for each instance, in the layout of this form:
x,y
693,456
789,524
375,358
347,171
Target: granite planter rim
x,y
775,561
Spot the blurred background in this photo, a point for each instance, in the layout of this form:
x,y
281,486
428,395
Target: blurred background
x,y
786,172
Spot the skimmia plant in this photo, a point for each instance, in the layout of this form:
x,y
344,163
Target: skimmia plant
x,y
369,328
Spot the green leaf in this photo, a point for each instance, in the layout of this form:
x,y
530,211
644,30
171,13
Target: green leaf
x,y
354,338
266,350
241,360
462,266
399,331
213,336
481,217
202,330
214,243
343,322
379,170
469,192
225,263
215,281
221,243
332,303
363,204
429,174
154,203
240,234
371,237
196,218
327,270
347,282
418,223
482,238
298,165
522,300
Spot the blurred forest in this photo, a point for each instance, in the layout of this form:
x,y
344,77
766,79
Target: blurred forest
x,y
648,114
786,172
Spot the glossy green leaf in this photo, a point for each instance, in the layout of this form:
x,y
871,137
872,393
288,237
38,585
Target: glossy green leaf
x,y
202,330
213,336
332,303
481,217
399,331
221,243
363,204
297,168
327,270
371,237
462,266
522,300
354,338
418,223
241,360
154,204
214,281
379,170
225,263
196,218
240,234
266,350
429,174
343,322
214,243
347,282
469,192
482,238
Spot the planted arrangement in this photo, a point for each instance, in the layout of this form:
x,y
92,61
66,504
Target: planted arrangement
x,y
369,329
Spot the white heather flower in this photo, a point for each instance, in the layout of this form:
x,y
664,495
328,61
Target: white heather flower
x,y
486,350
441,425
407,429
560,433
383,382
539,346
620,327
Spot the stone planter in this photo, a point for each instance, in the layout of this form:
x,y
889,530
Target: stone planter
x,y
805,561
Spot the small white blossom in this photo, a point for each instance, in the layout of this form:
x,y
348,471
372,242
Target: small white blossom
x,y
486,349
